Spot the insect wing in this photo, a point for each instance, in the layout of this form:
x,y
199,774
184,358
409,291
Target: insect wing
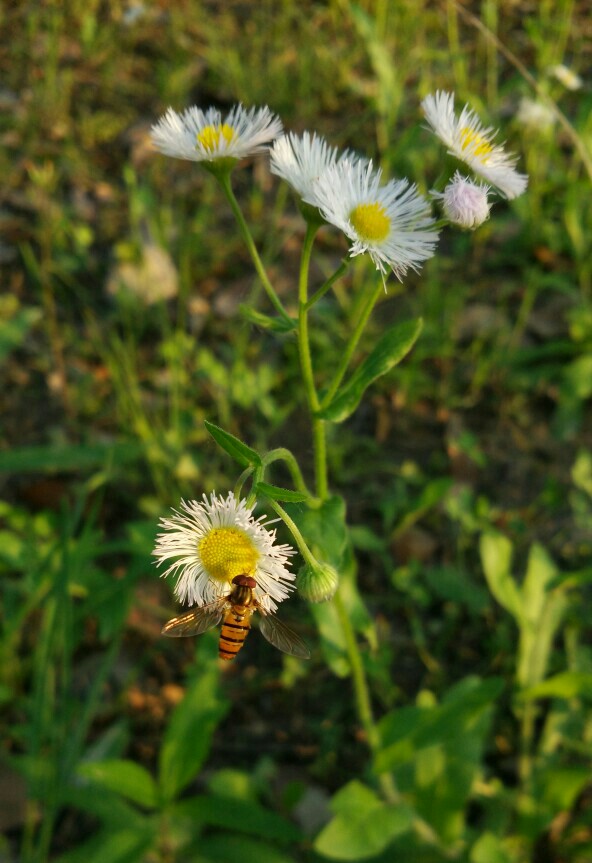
x,y
282,637
195,622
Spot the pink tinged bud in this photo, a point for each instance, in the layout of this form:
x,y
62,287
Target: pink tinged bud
x,y
465,202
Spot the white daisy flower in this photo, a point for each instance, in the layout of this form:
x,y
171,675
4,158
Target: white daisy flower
x,y
202,136
469,141
391,223
465,202
300,160
212,542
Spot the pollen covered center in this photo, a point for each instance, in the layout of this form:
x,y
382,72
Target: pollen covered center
x,y
476,143
211,136
226,552
370,222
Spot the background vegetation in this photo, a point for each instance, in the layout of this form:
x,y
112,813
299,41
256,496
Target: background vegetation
x,y
468,473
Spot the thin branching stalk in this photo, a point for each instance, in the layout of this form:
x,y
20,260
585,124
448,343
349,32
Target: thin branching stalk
x,y
252,248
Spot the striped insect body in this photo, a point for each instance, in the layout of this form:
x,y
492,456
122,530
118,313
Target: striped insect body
x,y
234,612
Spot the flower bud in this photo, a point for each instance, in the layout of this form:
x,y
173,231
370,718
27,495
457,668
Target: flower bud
x,y
317,583
465,202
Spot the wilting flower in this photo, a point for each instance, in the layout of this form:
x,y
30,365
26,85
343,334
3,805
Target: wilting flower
x,y
472,143
212,541
202,136
301,160
390,222
465,202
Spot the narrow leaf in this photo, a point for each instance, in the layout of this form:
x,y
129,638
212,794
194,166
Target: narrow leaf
x,y
235,814
496,557
278,325
188,736
566,684
239,451
127,778
128,845
281,494
387,353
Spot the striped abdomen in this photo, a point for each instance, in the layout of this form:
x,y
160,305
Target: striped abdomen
x,y
236,623
235,628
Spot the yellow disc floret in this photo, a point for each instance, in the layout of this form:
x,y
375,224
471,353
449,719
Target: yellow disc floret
x,y
476,143
370,222
211,136
226,552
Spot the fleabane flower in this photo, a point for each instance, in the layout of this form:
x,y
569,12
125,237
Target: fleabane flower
x,y
212,541
390,222
203,136
300,160
465,202
472,143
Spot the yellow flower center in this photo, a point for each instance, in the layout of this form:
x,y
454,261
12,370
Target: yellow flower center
x,y
210,136
370,222
475,142
226,552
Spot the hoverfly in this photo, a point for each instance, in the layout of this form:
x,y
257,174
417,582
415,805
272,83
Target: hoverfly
x,y
234,612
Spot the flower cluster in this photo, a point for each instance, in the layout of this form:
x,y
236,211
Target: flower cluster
x,y
464,201
207,544
390,221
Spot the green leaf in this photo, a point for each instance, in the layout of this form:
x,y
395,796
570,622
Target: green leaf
x,y
278,324
406,730
489,848
540,574
116,846
363,825
239,451
127,778
436,752
387,353
281,494
496,557
188,736
567,684
235,815
109,808
325,530
224,848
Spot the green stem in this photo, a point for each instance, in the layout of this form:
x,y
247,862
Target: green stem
x,y
283,454
318,425
352,344
362,693
258,473
527,727
295,531
224,180
328,284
